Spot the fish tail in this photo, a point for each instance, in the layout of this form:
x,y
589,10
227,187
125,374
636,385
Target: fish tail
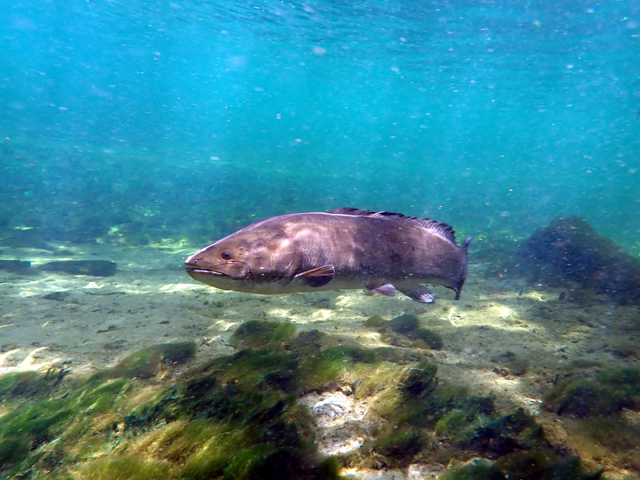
x,y
458,287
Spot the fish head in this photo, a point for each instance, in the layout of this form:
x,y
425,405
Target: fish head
x,y
250,260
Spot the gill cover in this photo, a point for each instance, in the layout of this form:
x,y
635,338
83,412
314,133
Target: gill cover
x,y
273,256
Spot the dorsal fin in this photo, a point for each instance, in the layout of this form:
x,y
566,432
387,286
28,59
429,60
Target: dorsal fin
x,y
441,229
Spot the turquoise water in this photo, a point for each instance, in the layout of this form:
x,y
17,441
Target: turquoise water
x,y
190,119
163,126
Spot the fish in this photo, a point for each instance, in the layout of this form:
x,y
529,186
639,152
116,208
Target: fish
x,y
345,248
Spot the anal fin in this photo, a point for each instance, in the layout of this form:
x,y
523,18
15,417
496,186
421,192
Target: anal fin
x,y
387,289
418,293
317,277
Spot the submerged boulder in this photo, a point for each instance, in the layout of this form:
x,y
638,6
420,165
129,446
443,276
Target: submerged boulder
x,y
15,266
95,268
570,252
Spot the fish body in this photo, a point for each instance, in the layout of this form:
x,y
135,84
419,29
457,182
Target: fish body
x,y
345,248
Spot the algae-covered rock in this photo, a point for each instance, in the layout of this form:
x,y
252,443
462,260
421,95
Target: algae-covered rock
x,y
239,417
426,337
251,427
537,464
404,324
146,363
605,394
308,343
127,467
504,435
545,464
96,268
375,321
255,333
420,381
401,444
31,384
477,469
569,251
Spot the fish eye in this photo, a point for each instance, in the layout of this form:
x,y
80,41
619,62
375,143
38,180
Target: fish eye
x,y
226,255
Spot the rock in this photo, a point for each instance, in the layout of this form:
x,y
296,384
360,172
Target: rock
x,y
569,252
431,339
96,268
404,324
375,321
15,266
58,296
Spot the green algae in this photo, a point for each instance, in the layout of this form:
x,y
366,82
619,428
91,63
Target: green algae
x,y
504,435
237,417
404,324
126,467
401,444
253,334
31,384
475,470
426,338
375,321
148,362
419,381
605,394
457,423
248,397
325,366
532,465
420,408
42,409
544,464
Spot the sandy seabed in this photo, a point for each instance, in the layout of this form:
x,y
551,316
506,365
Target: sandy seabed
x,y
89,323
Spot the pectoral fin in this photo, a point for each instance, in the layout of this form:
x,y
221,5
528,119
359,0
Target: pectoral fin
x,y
418,293
387,290
317,277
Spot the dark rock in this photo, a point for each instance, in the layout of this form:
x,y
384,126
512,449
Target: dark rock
x,y
404,324
96,268
605,394
420,381
146,363
15,266
431,339
375,321
58,296
569,252
500,437
26,238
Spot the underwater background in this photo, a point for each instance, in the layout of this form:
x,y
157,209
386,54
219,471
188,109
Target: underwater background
x,y
133,134
133,122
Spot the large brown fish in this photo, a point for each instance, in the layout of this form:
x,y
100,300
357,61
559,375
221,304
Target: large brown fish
x,y
343,248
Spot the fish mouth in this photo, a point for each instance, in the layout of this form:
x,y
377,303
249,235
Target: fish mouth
x,y
199,271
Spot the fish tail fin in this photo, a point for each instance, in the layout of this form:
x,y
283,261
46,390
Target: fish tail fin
x,y
458,287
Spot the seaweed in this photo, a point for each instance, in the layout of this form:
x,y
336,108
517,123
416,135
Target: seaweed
x,y
237,416
605,394
255,333
404,324
148,362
